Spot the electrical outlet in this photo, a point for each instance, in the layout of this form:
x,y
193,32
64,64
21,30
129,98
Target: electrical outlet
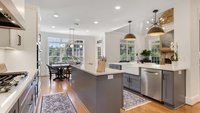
x,y
110,76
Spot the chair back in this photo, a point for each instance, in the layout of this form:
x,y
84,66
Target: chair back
x,y
52,70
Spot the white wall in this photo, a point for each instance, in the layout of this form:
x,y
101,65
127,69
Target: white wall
x,y
2,56
89,48
186,24
112,45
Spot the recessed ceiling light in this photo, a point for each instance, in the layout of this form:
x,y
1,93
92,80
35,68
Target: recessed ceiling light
x,y
117,7
147,22
1,9
53,27
147,28
152,19
96,22
55,15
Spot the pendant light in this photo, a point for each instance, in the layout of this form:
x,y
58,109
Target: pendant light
x,y
72,43
129,36
156,29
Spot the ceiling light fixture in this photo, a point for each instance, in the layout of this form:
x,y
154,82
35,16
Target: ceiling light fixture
x,y
1,9
53,27
156,29
55,15
148,22
96,22
147,28
129,36
117,7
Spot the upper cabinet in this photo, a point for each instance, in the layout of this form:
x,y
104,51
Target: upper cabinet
x,y
11,39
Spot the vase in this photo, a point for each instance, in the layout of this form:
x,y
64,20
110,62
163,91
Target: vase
x,y
174,64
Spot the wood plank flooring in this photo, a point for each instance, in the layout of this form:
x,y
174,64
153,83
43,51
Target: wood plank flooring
x,y
65,86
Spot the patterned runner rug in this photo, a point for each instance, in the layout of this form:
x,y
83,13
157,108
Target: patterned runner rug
x,y
57,103
132,100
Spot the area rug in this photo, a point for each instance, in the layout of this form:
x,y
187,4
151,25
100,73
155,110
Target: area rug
x,y
57,103
132,100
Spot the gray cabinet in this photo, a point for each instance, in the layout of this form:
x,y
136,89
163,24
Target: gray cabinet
x,y
132,82
15,108
27,101
174,89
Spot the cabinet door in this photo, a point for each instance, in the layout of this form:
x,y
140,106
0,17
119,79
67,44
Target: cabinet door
x,y
17,39
14,109
168,83
135,82
5,38
126,80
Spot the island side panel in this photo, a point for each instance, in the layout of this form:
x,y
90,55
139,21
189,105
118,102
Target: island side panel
x,y
84,85
109,94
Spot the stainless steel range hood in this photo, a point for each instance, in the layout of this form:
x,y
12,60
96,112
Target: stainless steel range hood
x,y
10,18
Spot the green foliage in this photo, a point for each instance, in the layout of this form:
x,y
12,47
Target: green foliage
x,y
174,57
146,53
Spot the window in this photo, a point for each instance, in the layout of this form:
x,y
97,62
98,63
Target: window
x,y
60,50
155,49
127,50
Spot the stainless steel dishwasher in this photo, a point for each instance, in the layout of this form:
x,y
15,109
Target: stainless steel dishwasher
x,y
151,83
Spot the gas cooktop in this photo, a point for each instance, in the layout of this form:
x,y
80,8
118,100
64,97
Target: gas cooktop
x,y
10,79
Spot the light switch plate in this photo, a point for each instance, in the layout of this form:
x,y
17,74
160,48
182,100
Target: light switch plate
x,y
179,72
110,76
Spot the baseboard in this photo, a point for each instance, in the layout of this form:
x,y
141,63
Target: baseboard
x,y
192,100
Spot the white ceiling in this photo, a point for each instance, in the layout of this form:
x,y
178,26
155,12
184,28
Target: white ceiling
x,y
85,12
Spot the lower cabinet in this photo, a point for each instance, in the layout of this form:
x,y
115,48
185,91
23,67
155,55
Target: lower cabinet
x,y
27,101
132,82
174,88
15,108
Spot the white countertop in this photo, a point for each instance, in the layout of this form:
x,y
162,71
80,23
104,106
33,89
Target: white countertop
x,y
168,67
92,69
7,100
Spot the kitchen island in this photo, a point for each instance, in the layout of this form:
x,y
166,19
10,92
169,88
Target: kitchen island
x,y
99,92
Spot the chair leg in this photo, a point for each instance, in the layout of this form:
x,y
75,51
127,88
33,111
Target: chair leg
x,y
50,77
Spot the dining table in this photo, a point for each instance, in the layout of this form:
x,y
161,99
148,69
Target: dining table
x,y
60,68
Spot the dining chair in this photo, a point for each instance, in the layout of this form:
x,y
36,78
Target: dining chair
x,y
52,71
67,71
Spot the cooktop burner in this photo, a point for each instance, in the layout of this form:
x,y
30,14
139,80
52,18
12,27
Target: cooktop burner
x,y
10,79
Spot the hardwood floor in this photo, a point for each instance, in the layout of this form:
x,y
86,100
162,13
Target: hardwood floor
x,y
65,86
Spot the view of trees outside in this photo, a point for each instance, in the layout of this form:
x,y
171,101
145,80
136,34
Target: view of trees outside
x,y
61,52
127,50
155,52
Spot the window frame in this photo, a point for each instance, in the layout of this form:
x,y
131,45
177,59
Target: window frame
x,y
61,51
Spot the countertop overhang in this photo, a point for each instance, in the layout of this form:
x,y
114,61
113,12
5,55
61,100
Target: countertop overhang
x,y
91,68
167,67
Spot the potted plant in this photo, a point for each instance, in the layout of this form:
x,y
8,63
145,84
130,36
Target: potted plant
x,y
146,54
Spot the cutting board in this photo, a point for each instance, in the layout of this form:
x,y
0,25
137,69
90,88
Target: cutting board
x,y
3,68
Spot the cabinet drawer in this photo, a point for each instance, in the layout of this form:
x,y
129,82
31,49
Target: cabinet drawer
x,y
135,83
29,102
26,98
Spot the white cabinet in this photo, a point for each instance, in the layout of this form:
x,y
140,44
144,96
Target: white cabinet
x,y
11,39
20,5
